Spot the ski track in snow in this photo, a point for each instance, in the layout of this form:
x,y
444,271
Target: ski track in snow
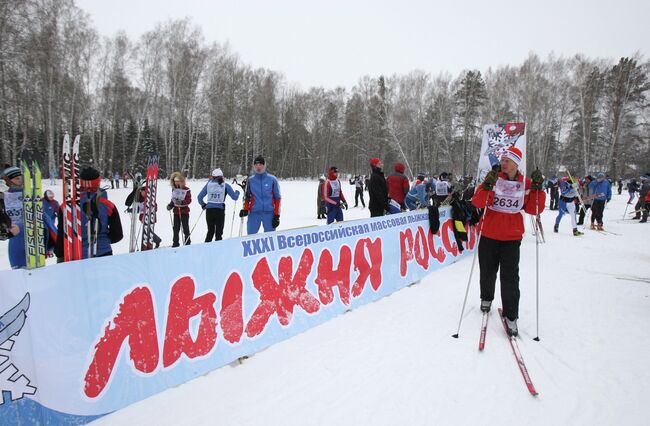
x,y
394,361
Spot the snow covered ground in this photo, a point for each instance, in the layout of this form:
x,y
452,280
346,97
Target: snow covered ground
x,y
394,361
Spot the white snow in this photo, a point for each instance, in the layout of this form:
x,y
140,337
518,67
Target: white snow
x,y
394,361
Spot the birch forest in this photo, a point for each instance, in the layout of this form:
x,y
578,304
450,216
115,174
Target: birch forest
x,y
199,106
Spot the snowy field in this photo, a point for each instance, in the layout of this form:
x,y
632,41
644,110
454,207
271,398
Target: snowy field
x,y
394,362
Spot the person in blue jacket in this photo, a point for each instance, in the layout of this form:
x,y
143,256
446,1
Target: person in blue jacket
x,y
262,199
215,209
50,210
418,195
13,207
602,190
105,224
568,197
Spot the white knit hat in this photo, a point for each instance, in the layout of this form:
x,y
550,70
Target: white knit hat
x,y
217,172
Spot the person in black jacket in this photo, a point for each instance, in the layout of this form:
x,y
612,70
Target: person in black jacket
x,y
378,190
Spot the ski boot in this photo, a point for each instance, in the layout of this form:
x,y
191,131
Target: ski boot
x,y
485,305
592,227
556,228
600,227
577,233
511,327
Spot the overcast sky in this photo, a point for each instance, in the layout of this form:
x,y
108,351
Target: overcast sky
x,y
334,42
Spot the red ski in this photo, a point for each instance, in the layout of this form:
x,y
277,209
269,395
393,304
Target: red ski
x,y
484,324
517,354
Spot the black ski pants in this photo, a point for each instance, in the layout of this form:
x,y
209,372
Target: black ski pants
x,y
555,195
358,193
583,212
376,213
215,219
502,256
597,209
182,219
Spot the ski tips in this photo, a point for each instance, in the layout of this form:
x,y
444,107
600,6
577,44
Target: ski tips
x,y
455,336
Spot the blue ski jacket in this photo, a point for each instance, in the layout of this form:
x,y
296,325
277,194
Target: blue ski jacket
x,y
601,187
108,232
262,194
216,193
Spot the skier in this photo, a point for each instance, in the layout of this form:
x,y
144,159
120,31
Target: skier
x,y
603,191
645,207
320,203
262,199
116,177
50,210
418,196
110,178
398,185
12,223
643,192
568,197
357,181
180,203
505,194
125,179
378,190
333,196
442,188
620,186
105,224
586,195
215,209
553,189
632,189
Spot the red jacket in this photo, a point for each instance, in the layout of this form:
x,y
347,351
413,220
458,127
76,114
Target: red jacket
x,y
504,226
398,187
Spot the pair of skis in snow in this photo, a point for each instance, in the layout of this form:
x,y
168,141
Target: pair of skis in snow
x,y
513,345
72,244
150,205
33,215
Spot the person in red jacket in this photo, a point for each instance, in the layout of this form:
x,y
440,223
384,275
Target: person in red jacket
x,y
398,185
180,203
505,193
333,196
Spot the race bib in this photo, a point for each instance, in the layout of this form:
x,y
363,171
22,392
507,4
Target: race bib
x,y
336,188
216,192
508,196
14,207
442,188
178,196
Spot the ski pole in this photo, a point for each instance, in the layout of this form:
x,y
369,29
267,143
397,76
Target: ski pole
x,y
192,230
625,212
471,271
232,222
537,268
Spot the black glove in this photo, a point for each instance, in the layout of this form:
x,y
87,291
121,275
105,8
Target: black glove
x,y
170,206
276,221
537,179
243,213
203,206
490,180
345,205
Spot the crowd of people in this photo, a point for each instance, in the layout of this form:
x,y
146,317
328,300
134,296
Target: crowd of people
x,y
499,198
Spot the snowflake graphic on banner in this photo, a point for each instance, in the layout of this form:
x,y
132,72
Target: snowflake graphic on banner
x,y
500,138
13,383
